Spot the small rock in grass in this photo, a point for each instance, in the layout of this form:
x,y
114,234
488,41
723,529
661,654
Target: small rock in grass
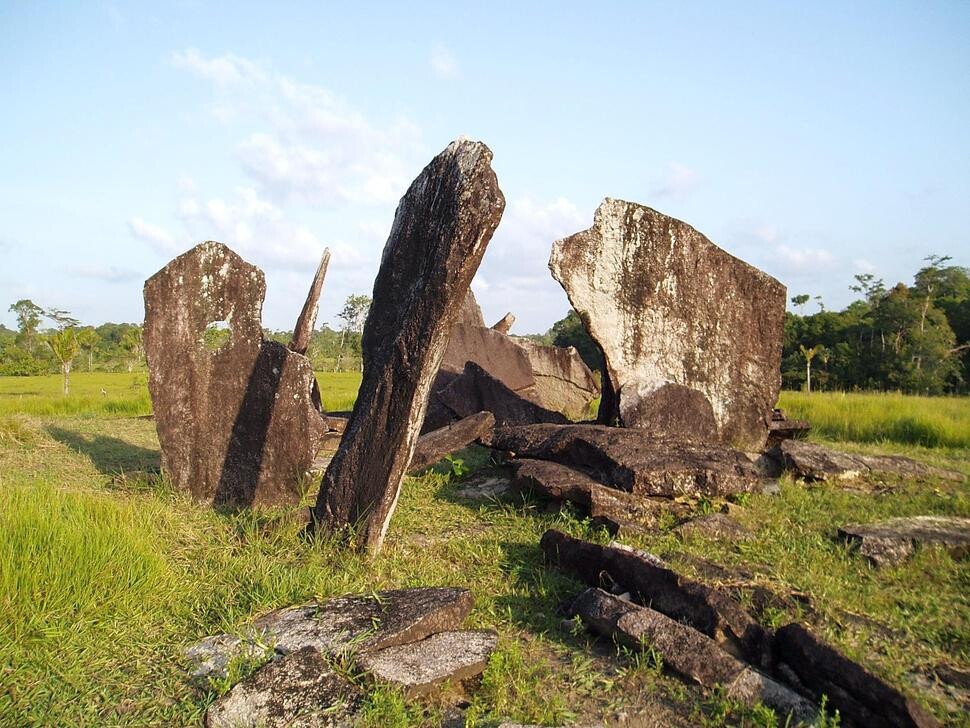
x,y
715,525
892,541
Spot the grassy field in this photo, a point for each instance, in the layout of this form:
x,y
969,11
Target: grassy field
x,y
106,574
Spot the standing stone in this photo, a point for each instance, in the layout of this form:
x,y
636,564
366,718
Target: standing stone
x,y
562,380
691,335
308,315
441,228
504,324
236,423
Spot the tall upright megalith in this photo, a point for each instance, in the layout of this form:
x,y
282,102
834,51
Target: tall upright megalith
x,y
441,228
691,335
235,415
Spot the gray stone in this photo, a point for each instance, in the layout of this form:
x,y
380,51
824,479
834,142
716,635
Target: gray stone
x,y
691,336
418,667
815,462
485,486
715,525
563,381
210,656
237,424
687,652
299,690
441,228
434,445
633,461
308,315
892,541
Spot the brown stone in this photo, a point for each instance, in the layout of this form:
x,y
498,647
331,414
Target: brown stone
x,y
708,610
687,652
815,462
691,335
553,480
308,315
859,695
237,425
476,390
715,525
435,445
441,228
471,312
623,513
631,460
563,382
892,541
504,324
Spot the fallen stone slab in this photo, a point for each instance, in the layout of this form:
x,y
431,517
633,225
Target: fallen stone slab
x,y
781,428
476,390
815,462
691,336
553,480
563,381
715,525
237,422
441,228
630,460
687,652
338,626
711,611
892,541
434,445
486,485
859,695
300,689
623,513
419,667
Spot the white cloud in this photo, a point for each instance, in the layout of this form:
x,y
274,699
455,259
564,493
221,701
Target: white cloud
x,y
443,63
680,179
156,235
106,273
222,70
864,265
804,260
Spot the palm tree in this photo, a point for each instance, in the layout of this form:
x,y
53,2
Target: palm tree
x,y
64,345
809,354
89,339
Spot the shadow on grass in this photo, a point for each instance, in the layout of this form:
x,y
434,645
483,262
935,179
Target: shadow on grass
x,y
110,455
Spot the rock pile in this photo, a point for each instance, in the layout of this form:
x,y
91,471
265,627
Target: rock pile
x,y
410,638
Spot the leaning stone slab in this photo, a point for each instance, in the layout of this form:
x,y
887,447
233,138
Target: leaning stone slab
x,y
494,352
237,424
708,610
687,652
859,695
630,460
815,462
434,445
441,228
300,689
563,381
338,626
419,667
691,335
889,542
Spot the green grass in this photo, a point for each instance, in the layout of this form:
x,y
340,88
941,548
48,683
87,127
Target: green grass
x,y
883,417
106,574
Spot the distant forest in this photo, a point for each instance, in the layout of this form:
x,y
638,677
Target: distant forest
x,y
914,339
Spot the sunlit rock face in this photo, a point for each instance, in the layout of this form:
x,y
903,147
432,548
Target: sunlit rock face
x,y
691,335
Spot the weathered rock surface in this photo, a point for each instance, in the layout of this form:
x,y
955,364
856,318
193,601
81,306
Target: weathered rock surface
x,y
441,228
237,425
814,462
308,315
691,335
563,381
781,428
624,513
553,480
504,324
889,542
420,666
688,652
494,352
859,695
476,390
434,445
333,627
486,485
299,690
631,460
708,610
715,525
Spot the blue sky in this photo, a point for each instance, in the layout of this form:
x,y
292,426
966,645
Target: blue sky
x,y
814,140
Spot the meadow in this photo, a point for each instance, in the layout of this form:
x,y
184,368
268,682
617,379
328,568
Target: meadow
x,y
106,573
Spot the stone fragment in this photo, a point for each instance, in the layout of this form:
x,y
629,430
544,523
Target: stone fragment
x,y
441,228
494,352
633,461
434,445
485,485
691,335
815,462
687,652
476,390
708,610
553,480
418,667
623,513
715,525
339,625
299,690
859,695
237,424
504,324
892,541
563,381
781,428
